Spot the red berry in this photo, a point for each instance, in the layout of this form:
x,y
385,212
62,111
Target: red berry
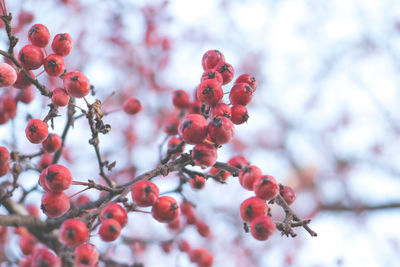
x,y
27,262
54,65
110,230
60,97
45,161
42,178
44,257
144,193
8,75
132,106
210,92
22,81
181,99
52,143
248,175
82,199
241,94
36,131
86,255
238,162
203,229
116,212
166,246
221,174
202,257
4,169
266,187
174,142
226,71
183,245
73,232
239,114
249,79
262,227
220,109
39,35
4,156
197,182
26,95
76,84
175,224
27,244
195,107
55,204
193,129
212,74
204,155
171,125
288,194
25,17
62,44
58,178
165,210
220,130
31,57
211,58
252,208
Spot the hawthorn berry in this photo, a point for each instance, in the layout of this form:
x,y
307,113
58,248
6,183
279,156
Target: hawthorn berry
x,y
171,125
183,245
86,255
288,194
31,57
42,178
45,257
39,35
166,246
165,209
27,244
4,169
54,65
266,187
193,129
76,84
132,106
27,262
239,114
52,143
220,109
110,230
252,208
4,155
60,97
8,75
202,257
238,162
144,193
36,131
195,107
55,204
45,161
180,99
175,224
173,144
22,82
114,211
25,17
210,92
221,175
226,71
241,94
211,58
9,105
197,182
220,130
203,229
62,44
212,74
248,175
204,155
73,232
249,79
57,178
262,228
26,95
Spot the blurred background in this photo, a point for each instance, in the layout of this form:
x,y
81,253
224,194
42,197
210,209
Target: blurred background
x,y
324,120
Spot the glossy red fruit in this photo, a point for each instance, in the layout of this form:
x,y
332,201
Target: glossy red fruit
x,y
144,193
195,107
204,155
288,194
220,130
73,232
31,57
241,94
60,97
226,70
238,162
239,114
86,255
26,95
52,143
110,230
193,129
45,161
132,106
8,75
42,178
76,84
249,79
211,58
54,65
171,125
212,74
27,244
45,257
262,228
266,187
36,131
58,178
248,175
220,174
39,35
4,155
220,109
62,44
116,212
198,182
55,204
165,210
252,208
4,169
202,257
180,99
210,92
9,106
22,81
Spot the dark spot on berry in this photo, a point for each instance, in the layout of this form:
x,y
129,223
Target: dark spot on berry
x,y
246,169
137,101
217,122
245,117
248,89
63,37
178,94
71,233
173,207
109,215
198,184
223,67
113,229
252,79
259,228
211,75
198,154
33,30
84,261
44,263
249,211
265,180
50,176
148,189
74,78
52,64
32,129
186,124
208,91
